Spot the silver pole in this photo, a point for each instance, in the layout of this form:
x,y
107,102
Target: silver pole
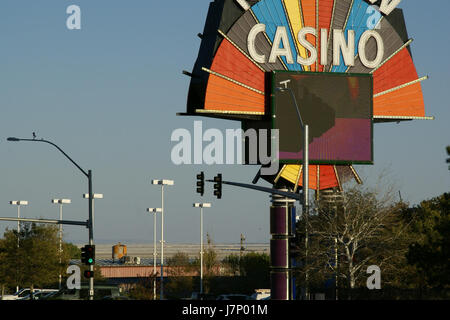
x,y
154,255
18,235
91,232
162,243
18,224
336,270
201,249
60,245
306,201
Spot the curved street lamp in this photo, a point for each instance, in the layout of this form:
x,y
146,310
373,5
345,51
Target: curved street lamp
x,y
90,220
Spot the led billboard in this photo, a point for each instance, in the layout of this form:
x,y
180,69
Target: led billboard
x,y
337,107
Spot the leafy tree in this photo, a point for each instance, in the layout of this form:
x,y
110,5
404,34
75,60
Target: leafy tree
x,y
232,264
210,257
72,250
252,271
180,282
255,269
143,290
430,253
31,258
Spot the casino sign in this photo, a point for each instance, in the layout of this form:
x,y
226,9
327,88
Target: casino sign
x,y
245,44
347,64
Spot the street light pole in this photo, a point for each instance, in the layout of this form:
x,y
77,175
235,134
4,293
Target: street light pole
x,y
305,204
162,183
91,232
201,206
154,211
18,204
201,250
60,202
90,219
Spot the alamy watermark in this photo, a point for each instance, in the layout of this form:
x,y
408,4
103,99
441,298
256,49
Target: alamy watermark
x,y
74,280
374,280
73,22
213,146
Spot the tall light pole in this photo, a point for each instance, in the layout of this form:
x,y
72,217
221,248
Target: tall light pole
x,y
60,202
18,204
201,206
88,175
162,183
305,204
154,211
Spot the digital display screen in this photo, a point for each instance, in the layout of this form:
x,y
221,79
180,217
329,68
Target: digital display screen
x,y
338,109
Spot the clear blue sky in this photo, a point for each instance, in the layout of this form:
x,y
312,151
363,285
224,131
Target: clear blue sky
x,y
108,95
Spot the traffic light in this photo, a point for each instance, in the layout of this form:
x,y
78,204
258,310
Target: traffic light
x,y
448,152
88,274
201,183
88,255
218,186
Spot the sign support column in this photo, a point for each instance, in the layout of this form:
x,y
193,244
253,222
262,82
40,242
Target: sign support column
x,y
281,215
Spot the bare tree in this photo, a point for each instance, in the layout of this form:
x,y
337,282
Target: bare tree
x,y
347,236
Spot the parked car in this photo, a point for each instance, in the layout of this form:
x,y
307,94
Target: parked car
x,y
15,296
100,291
24,294
261,294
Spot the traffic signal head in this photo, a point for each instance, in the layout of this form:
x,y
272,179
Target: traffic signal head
x,y
201,183
218,186
88,255
88,274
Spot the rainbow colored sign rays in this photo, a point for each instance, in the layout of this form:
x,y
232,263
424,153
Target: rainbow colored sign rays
x,y
245,43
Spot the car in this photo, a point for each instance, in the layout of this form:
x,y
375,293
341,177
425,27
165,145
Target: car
x,y
233,297
261,294
43,295
100,291
20,295
38,294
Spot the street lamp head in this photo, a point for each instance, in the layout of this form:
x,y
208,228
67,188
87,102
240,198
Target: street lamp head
x,y
19,203
154,210
13,139
96,196
62,201
163,182
202,205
